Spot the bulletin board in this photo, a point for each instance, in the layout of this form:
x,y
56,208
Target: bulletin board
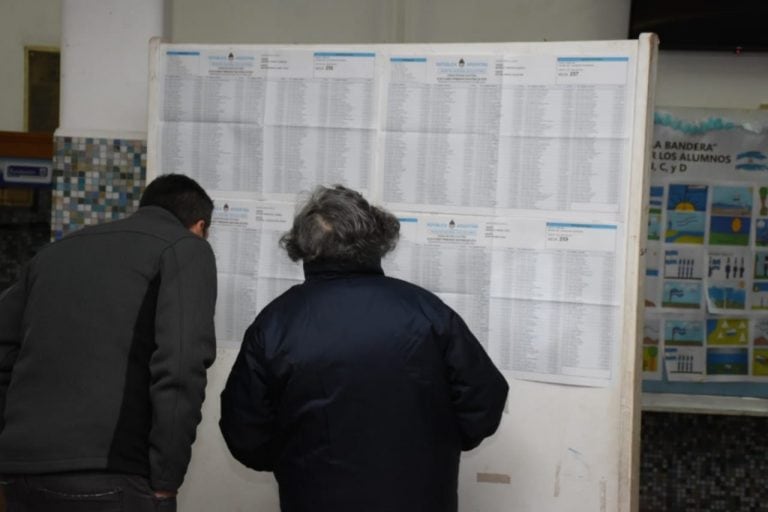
x,y
705,342
517,172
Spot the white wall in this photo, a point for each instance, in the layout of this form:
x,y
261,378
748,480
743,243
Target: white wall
x,y
22,23
704,79
700,79
443,21
204,489
390,21
283,21
105,66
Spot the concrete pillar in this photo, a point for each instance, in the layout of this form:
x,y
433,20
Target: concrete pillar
x,y
104,65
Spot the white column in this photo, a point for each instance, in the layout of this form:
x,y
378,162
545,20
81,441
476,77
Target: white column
x,y
104,66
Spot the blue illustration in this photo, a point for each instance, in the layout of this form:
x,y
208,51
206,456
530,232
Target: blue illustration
x,y
759,155
733,201
656,195
760,295
761,232
683,332
685,227
707,125
681,294
761,265
750,164
655,206
729,230
727,361
688,198
727,297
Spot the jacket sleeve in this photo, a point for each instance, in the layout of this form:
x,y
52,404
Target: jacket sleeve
x,y
247,410
478,389
185,347
12,305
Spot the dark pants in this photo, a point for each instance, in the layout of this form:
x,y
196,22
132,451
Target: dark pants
x,y
82,492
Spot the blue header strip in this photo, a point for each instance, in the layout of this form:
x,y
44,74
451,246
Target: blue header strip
x,y
408,219
175,52
593,59
408,59
344,54
571,225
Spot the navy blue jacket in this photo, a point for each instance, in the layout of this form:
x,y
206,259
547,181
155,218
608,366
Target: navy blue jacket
x,y
360,391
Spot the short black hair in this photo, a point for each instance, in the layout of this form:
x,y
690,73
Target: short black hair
x,y
180,195
338,224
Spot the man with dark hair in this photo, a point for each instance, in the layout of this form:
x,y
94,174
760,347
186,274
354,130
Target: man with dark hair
x,y
184,198
104,345
358,390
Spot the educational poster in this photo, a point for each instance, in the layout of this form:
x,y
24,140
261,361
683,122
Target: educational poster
x,y
651,346
656,203
652,275
508,172
727,352
708,207
684,341
686,214
731,216
759,330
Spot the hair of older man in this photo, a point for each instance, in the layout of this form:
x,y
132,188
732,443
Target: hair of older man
x,y
338,224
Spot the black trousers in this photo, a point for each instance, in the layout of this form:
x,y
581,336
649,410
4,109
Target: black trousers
x,y
82,492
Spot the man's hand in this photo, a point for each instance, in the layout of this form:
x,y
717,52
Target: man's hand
x,y
164,495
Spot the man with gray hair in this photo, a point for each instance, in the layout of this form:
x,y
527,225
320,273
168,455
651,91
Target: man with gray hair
x,y
358,390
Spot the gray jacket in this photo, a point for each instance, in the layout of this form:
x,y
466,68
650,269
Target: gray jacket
x,y
104,345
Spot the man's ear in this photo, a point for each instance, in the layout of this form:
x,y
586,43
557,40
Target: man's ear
x,y
199,229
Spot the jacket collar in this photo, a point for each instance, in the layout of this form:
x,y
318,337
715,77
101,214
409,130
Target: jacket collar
x,y
157,212
331,269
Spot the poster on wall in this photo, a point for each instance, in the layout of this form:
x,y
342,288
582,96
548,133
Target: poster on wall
x,y
508,172
707,247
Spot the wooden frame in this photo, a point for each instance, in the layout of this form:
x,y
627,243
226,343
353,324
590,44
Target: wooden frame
x,y
23,145
47,82
26,145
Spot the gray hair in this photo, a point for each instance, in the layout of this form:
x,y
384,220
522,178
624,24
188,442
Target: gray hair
x,y
338,224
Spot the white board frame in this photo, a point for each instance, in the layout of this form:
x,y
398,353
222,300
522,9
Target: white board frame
x,y
542,458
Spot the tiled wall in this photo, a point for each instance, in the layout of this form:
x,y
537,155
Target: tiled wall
x,y
96,180
689,463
